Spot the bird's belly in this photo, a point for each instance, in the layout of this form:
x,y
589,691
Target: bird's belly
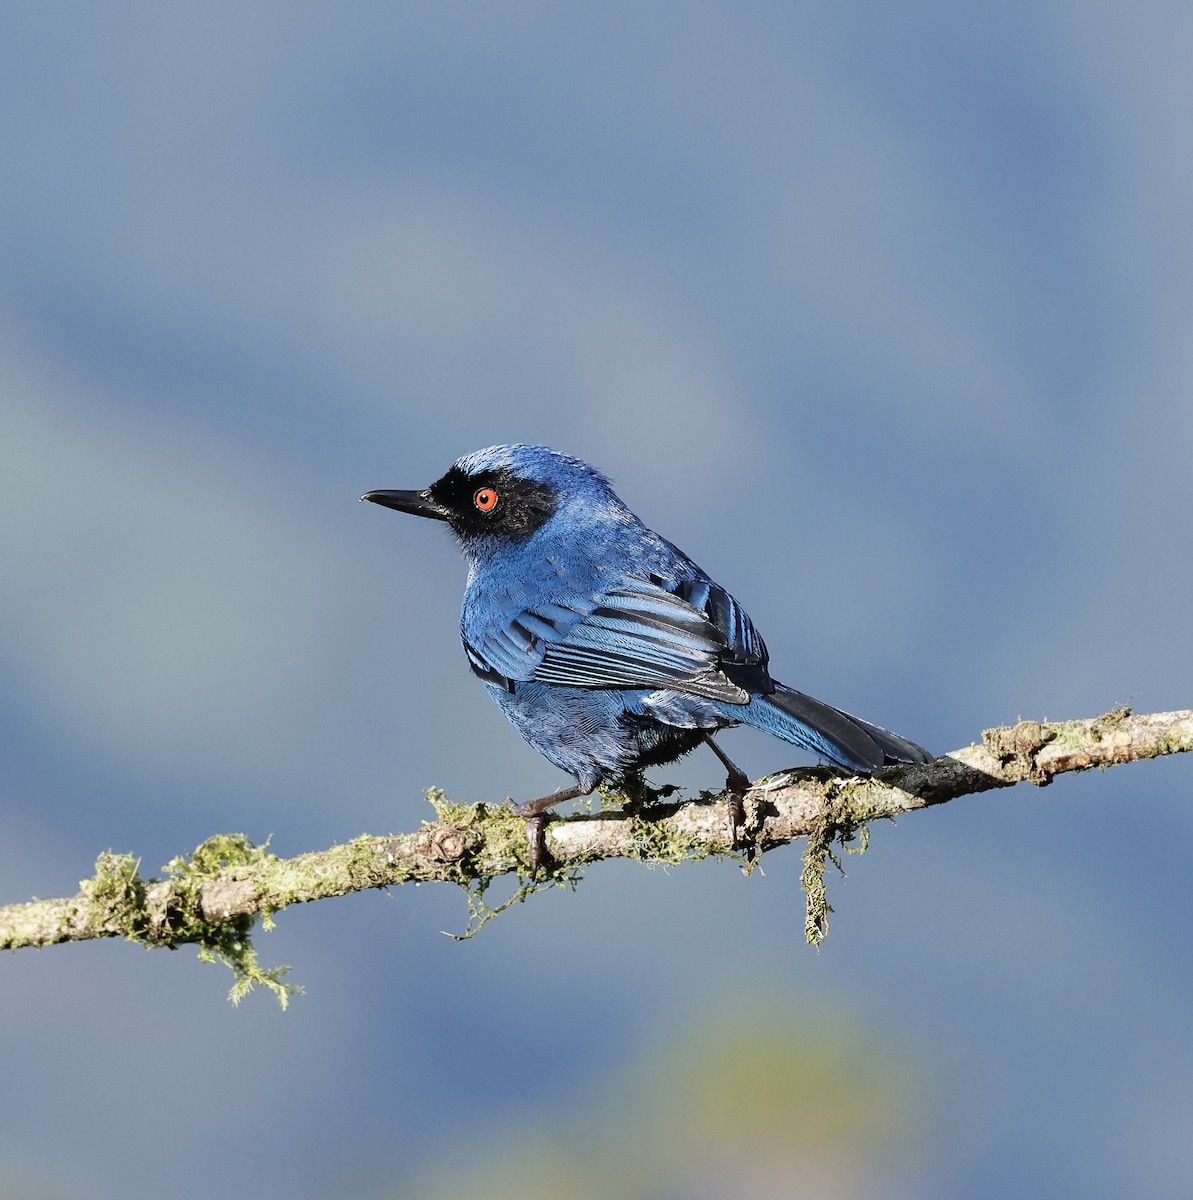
x,y
595,734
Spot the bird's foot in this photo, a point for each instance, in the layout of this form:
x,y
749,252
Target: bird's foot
x,y
536,840
534,813
743,835
737,817
737,784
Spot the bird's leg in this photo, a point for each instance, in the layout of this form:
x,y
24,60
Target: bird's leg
x,y
737,783
534,812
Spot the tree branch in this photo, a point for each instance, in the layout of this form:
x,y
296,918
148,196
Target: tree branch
x,y
213,897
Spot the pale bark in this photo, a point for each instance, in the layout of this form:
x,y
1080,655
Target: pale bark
x,y
212,897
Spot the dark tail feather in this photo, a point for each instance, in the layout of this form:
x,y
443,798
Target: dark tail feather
x,y
844,739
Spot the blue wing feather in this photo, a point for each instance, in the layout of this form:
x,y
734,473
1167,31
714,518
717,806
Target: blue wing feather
x,y
688,635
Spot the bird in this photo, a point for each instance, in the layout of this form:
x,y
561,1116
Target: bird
x,y
607,648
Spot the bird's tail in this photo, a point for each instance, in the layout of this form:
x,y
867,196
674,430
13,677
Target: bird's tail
x,y
843,739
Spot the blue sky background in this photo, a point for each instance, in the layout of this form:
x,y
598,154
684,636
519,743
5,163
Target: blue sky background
x,y
881,313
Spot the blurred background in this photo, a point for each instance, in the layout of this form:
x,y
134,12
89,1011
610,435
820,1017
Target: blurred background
x,y
882,313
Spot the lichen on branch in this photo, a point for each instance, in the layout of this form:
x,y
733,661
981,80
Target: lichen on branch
x,y
213,897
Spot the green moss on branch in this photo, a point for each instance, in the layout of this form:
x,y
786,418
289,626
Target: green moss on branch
x,y
213,897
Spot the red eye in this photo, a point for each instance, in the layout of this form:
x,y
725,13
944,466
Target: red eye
x,y
485,499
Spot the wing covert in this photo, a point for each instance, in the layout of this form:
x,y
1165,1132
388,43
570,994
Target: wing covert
x,y
691,636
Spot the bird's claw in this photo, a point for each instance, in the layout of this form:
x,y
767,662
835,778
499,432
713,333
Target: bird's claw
x,y
740,838
534,813
737,784
536,821
737,817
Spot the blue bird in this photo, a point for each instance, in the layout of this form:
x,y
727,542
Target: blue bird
x,y
607,647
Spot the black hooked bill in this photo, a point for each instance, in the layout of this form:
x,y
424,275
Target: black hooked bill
x,y
418,503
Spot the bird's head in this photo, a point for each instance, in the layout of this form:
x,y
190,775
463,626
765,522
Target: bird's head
x,y
505,494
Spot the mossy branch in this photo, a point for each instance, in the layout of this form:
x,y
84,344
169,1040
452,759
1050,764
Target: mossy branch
x,y
213,897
